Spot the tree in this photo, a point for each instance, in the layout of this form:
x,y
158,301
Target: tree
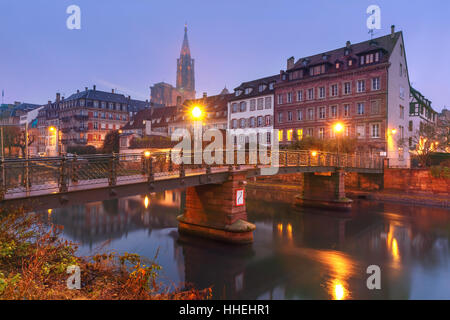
x,y
15,137
111,143
428,139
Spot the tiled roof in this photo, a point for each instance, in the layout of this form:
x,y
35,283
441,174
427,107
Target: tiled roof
x,y
160,114
99,95
254,85
385,43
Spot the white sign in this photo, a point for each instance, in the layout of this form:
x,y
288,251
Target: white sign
x,y
239,197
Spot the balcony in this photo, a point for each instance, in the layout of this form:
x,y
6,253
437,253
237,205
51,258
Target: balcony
x,y
65,119
80,129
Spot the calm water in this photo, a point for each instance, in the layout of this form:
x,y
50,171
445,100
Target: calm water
x,y
296,254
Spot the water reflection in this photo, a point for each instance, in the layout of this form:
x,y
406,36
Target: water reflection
x,y
297,253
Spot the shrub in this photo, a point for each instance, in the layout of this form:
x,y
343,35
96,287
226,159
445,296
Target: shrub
x,y
82,149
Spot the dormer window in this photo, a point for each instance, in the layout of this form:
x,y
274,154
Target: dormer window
x,y
271,85
248,90
346,52
324,57
262,87
238,92
316,70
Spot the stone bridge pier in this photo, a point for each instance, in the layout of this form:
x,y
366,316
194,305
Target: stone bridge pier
x,y
324,190
218,211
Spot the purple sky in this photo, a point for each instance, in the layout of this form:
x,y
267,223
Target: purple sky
x,y
129,45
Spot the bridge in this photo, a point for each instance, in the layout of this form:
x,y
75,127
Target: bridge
x,y
215,193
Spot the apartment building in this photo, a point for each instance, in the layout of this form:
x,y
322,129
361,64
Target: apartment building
x,y
250,110
363,86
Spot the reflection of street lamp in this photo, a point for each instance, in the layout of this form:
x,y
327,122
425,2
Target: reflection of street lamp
x,y
197,114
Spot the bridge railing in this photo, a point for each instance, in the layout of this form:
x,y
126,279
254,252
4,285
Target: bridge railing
x,y
60,174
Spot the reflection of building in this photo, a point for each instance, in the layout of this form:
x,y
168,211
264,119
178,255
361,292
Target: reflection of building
x,y
164,93
100,221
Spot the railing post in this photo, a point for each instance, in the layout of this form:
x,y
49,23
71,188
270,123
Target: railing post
x,y
151,175
113,171
286,159
74,169
208,169
63,175
298,159
319,158
143,164
309,159
182,172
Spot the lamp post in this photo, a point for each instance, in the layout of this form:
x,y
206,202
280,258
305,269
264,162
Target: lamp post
x,y
338,127
197,114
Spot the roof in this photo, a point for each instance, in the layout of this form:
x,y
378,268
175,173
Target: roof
x,y
254,84
160,114
212,104
99,95
385,43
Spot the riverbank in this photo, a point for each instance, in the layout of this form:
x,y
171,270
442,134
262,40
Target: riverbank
x,y
36,264
411,198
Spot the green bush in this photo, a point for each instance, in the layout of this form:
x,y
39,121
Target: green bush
x,y
82,149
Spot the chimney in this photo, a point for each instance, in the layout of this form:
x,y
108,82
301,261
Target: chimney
x,y
94,87
58,97
49,102
112,90
392,31
86,88
347,44
205,94
78,90
290,63
62,98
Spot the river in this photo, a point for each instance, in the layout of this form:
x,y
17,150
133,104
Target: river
x,y
297,253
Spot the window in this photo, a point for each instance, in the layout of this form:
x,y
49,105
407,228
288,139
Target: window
x,y
299,95
268,137
280,135
234,108
252,122
322,113
290,133
289,97
252,105
401,70
289,115
268,102
313,71
267,120
280,117
299,115
242,123
243,106
375,130
299,134
271,85
375,107
248,90
262,87
360,131
350,62
361,86
260,121
310,114
321,92
402,92
310,94
280,99
337,65
333,111
347,110
401,154
95,125
310,132
260,103
234,124
376,84
347,88
402,112
334,90
321,133
360,109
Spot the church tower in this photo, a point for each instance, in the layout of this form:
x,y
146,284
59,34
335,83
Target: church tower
x,y
185,68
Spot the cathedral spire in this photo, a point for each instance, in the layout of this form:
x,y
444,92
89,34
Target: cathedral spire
x,y
185,47
185,67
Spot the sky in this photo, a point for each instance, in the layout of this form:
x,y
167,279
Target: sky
x,y
131,44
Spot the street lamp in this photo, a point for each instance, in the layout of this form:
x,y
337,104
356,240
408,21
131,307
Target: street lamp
x,y
338,127
196,113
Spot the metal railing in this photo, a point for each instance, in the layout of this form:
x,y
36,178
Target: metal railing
x,y
65,173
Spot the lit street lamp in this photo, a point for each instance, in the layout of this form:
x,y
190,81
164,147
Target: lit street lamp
x,y
338,127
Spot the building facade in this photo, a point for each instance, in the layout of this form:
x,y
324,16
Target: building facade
x,y
250,110
363,86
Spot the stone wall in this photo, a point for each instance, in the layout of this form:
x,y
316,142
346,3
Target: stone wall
x,y
363,182
415,180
